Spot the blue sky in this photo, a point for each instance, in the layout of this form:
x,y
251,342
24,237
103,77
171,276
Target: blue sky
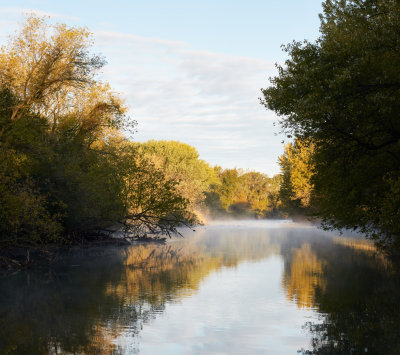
x,y
191,70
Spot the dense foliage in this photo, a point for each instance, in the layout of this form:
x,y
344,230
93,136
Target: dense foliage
x,y
69,173
297,171
342,93
212,192
239,193
180,162
66,169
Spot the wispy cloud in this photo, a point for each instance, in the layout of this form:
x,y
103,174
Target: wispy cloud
x,y
17,11
111,36
206,99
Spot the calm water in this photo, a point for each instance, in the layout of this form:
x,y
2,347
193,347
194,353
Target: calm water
x,y
261,287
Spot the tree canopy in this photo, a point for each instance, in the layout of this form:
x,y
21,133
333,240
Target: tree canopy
x,y
297,171
180,162
241,193
67,170
343,94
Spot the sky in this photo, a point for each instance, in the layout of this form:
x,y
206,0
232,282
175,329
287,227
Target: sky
x,y
190,70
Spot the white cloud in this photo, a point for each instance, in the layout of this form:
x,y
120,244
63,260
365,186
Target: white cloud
x,y
206,99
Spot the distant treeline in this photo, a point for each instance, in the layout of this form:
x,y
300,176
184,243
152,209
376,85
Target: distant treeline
x,y
212,192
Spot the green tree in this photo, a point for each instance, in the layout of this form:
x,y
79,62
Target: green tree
x,y
343,93
180,162
275,202
227,189
256,191
241,193
152,203
55,114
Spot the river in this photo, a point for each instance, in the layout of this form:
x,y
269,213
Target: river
x,y
242,287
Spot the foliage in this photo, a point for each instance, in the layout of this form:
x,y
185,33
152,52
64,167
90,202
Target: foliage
x,y
297,170
67,171
180,163
244,193
227,187
342,93
153,203
214,192
44,64
24,216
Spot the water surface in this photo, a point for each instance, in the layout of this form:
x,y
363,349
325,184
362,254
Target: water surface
x,y
248,287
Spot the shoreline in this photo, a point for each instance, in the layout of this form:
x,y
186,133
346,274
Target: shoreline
x,y
14,258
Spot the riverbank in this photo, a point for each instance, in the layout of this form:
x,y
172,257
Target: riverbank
x,y
15,257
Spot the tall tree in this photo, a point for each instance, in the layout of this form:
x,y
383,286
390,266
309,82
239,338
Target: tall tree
x,y
45,62
67,169
343,93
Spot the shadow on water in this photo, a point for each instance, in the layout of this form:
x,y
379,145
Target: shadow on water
x,y
93,297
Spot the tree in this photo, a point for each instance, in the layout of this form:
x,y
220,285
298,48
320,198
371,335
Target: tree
x,y
152,202
227,189
180,162
45,62
68,171
343,94
297,170
53,105
241,193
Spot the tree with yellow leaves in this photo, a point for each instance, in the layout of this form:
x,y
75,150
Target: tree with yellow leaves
x,y
297,170
67,170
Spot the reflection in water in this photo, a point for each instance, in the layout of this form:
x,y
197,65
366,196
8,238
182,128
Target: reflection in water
x,y
358,244
303,275
99,301
359,305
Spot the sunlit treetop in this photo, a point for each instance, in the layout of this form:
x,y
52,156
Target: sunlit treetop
x,y
52,72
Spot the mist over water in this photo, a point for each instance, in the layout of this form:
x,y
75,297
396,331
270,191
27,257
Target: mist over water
x,y
232,287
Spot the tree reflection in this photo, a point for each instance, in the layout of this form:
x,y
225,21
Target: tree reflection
x,y
87,302
303,276
356,291
61,313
